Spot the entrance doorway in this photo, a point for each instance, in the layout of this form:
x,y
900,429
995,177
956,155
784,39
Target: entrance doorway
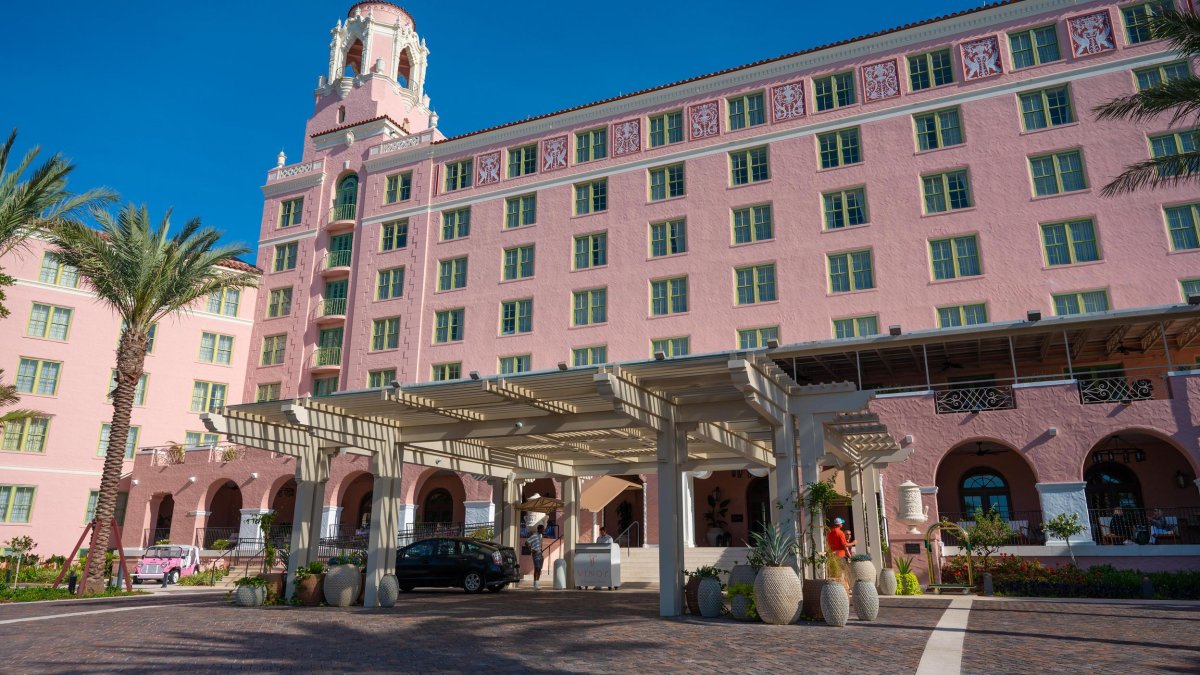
x,y
758,505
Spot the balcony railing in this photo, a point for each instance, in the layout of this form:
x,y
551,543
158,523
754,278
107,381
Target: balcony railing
x,y
1026,527
153,535
975,399
332,307
327,356
1115,390
337,259
1156,526
342,212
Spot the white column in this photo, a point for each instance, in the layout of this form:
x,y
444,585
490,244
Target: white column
x,y
497,507
1058,498
854,477
688,517
872,527
312,472
511,535
477,513
250,537
387,467
331,519
408,514
570,534
784,479
672,452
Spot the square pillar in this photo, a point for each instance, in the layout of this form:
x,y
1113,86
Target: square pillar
x,y
672,452
408,515
1057,498
387,466
310,513
854,488
250,536
872,525
785,488
570,525
688,519
331,517
476,514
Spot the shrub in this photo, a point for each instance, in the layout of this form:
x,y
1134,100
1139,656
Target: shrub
x,y
312,568
906,582
221,545
45,593
746,591
706,571
772,547
205,578
483,533
860,557
257,582
1016,576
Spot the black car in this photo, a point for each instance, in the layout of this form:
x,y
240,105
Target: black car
x,y
457,561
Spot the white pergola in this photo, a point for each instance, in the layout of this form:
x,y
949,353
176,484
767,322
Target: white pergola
x,y
734,410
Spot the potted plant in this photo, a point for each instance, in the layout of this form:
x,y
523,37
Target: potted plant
x,y
310,584
906,581
715,516
389,590
887,575
861,568
866,598
250,591
692,589
777,589
176,453
835,601
343,581
741,601
271,555
229,453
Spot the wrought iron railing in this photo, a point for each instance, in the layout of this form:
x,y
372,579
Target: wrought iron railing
x,y
342,212
327,356
630,536
337,259
1157,526
1115,390
350,538
153,535
206,537
975,399
332,307
1025,525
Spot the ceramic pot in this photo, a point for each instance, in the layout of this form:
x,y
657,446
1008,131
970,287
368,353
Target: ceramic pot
x,y
777,595
690,590
835,605
811,607
342,585
310,590
742,574
887,581
739,607
714,533
866,600
249,596
710,598
862,570
389,590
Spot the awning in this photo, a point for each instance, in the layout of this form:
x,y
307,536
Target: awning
x,y
541,505
599,492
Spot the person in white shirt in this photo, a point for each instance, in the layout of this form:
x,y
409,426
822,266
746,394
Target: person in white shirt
x,y
535,548
604,538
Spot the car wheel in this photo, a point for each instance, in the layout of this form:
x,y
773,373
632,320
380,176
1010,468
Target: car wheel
x,y
473,582
496,588
407,588
173,577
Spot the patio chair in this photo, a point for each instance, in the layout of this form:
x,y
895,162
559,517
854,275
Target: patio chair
x,y
1106,533
1020,528
1171,531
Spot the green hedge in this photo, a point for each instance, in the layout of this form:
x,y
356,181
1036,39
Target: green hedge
x,y
1016,576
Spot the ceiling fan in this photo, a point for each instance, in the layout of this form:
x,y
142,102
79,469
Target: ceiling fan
x,y
950,364
981,451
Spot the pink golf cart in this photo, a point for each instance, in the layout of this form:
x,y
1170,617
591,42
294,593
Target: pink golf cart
x,y
171,560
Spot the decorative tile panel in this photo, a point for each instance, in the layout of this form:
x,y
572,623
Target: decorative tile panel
x,y
1091,33
627,137
981,58
880,81
488,168
787,101
554,153
704,119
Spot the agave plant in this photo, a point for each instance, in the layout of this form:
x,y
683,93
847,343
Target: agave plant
x,y
773,547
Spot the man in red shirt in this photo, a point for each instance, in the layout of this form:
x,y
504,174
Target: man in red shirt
x,y
839,545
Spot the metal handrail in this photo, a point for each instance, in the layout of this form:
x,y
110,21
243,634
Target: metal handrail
x,y
327,356
342,212
332,307
337,259
624,535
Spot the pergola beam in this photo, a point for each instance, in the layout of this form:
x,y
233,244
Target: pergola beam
x,y
723,436
256,432
759,383
650,408
415,402
514,392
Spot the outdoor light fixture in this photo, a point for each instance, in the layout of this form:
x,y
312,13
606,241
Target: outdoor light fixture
x,y
1181,479
1194,299
1114,448
518,424
395,384
191,479
253,475
474,374
1033,315
894,329
562,365
135,481
772,344
1126,401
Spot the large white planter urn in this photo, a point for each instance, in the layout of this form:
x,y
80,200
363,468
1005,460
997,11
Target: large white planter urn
x,y
835,604
866,600
342,584
249,596
887,581
862,570
777,595
710,597
389,590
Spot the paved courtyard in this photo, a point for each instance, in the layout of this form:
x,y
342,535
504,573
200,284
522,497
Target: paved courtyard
x,y
524,631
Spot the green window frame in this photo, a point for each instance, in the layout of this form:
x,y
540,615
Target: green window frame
x,y
131,441
385,334
1057,173
520,211
591,250
456,224
1137,20
938,129
591,197
389,284
855,326
393,235
519,363
452,274
666,182
1189,288
16,503
589,307
1182,226
671,347
749,166
55,271
591,145
27,434
377,379
589,356
955,257
225,301
753,223
962,315
285,256
931,69
49,322
458,174
139,391
38,376
516,316
518,262
291,211
1153,76
274,347
851,271
522,160
757,338
1050,107
1070,242
668,237
325,386
279,302
845,208
834,91
1171,144
755,284
746,111
216,348
666,129
1082,302
443,372
448,325
948,191
1034,46
398,188
839,148
200,439
669,296
208,396
269,391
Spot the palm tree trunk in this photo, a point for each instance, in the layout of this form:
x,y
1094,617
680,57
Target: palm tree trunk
x,y
131,358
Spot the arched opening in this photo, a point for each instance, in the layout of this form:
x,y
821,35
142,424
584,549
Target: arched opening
x,y
346,199
542,487
439,500
984,489
621,514
354,57
225,506
1111,486
341,114
162,513
981,475
356,505
283,503
438,507
404,68
758,505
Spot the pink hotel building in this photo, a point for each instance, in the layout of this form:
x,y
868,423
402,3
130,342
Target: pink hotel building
x,y
896,210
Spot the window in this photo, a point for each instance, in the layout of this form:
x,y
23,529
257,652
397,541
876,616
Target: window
x,y
456,224
1181,224
1060,172
591,197
399,188
324,386
26,435
850,272
385,334
1081,303
1165,72
591,250
834,91
590,307
669,296
280,302
290,212
285,256
962,315
589,356
858,326
983,490
1137,19
449,327
393,235
666,182
522,161
49,322
515,364
847,207
938,129
676,346
666,128
946,191
131,441
755,284
1190,287
518,262
273,349
452,274
1169,145
668,238
746,111
198,439
1034,46
748,166
447,371
753,223
838,148
267,392
35,376
139,391
389,284
954,257
591,145
1046,108
932,69
216,348
224,301
16,503
516,316
458,175
1070,242
756,338
381,378
520,211
55,272
207,396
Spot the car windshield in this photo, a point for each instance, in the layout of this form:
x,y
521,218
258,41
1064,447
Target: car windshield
x,y
164,552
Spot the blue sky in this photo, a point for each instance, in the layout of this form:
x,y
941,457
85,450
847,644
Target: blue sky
x,y
187,104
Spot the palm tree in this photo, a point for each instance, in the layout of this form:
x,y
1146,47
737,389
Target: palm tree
x,y
145,275
1179,97
10,397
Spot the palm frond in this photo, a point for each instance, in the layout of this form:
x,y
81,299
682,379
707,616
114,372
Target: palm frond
x,y
1155,173
1179,97
19,414
1181,29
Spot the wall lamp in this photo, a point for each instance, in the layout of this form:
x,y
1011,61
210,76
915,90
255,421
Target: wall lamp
x,y
1194,299
1033,315
894,329
660,356
772,344
474,374
562,365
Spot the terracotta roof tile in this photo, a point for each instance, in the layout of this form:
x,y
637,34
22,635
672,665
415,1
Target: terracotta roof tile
x,y
355,124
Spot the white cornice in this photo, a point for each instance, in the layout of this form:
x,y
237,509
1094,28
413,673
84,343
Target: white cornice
x,y
39,469
287,238
356,133
293,184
